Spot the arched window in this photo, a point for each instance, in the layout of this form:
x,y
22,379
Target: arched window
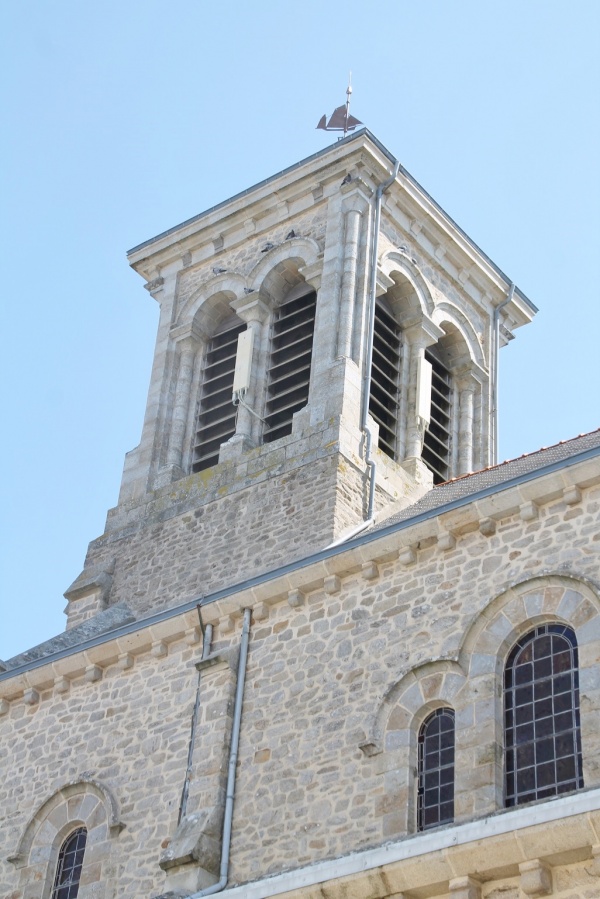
x,y
435,795
437,437
290,361
216,415
541,717
70,863
385,396
385,375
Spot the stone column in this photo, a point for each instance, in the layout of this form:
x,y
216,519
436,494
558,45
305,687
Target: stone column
x,y
187,348
353,208
417,337
255,311
466,391
141,464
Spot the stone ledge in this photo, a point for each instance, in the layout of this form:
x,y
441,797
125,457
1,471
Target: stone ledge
x,y
426,863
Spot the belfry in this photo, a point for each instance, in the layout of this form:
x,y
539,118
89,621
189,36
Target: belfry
x,y
361,382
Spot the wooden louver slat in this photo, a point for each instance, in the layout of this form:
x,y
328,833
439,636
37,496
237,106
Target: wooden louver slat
x,y
385,368
216,418
289,364
436,443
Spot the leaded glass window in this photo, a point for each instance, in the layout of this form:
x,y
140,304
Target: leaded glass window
x,y
435,795
541,716
70,862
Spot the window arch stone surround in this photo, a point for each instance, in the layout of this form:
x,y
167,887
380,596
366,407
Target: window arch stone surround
x,y
473,353
421,298
431,324
202,308
83,803
250,298
553,598
394,731
300,252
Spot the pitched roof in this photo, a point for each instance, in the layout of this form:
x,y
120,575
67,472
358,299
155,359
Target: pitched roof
x,y
494,477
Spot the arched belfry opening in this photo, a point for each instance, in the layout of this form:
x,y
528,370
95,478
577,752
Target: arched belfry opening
x,y
423,396
385,377
290,356
441,438
216,413
437,438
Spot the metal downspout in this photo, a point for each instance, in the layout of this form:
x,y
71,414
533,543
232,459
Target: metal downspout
x,y
188,771
496,353
381,188
233,756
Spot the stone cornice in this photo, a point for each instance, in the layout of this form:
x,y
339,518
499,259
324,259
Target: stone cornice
x,y
360,151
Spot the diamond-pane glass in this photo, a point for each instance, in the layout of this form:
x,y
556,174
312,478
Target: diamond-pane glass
x,y
70,863
435,797
541,716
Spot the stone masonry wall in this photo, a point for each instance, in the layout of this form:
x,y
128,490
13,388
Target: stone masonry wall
x,y
130,731
336,689
169,559
329,666
217,528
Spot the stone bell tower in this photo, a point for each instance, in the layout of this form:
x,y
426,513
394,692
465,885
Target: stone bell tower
x,y
281,288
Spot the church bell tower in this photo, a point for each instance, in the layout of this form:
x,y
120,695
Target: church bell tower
x,y
326,352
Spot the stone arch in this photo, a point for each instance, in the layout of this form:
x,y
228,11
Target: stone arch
x,y
209,305
394,729
410,293
280,268
549,598
82,803
208,312
278,277
420,688
461,346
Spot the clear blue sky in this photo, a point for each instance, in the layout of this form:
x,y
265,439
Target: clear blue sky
x,y
122,119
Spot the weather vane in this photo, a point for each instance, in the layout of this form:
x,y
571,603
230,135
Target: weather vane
x,y
340,119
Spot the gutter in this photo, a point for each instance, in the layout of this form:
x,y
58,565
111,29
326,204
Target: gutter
x,y
364,415
322,555
495,359
233,757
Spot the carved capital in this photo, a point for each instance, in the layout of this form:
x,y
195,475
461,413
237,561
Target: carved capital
x,y
155,286
251,308
312,274
189,332
355,201
423,332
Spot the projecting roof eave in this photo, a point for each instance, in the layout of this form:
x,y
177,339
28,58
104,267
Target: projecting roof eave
x,y
581,455
339,150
